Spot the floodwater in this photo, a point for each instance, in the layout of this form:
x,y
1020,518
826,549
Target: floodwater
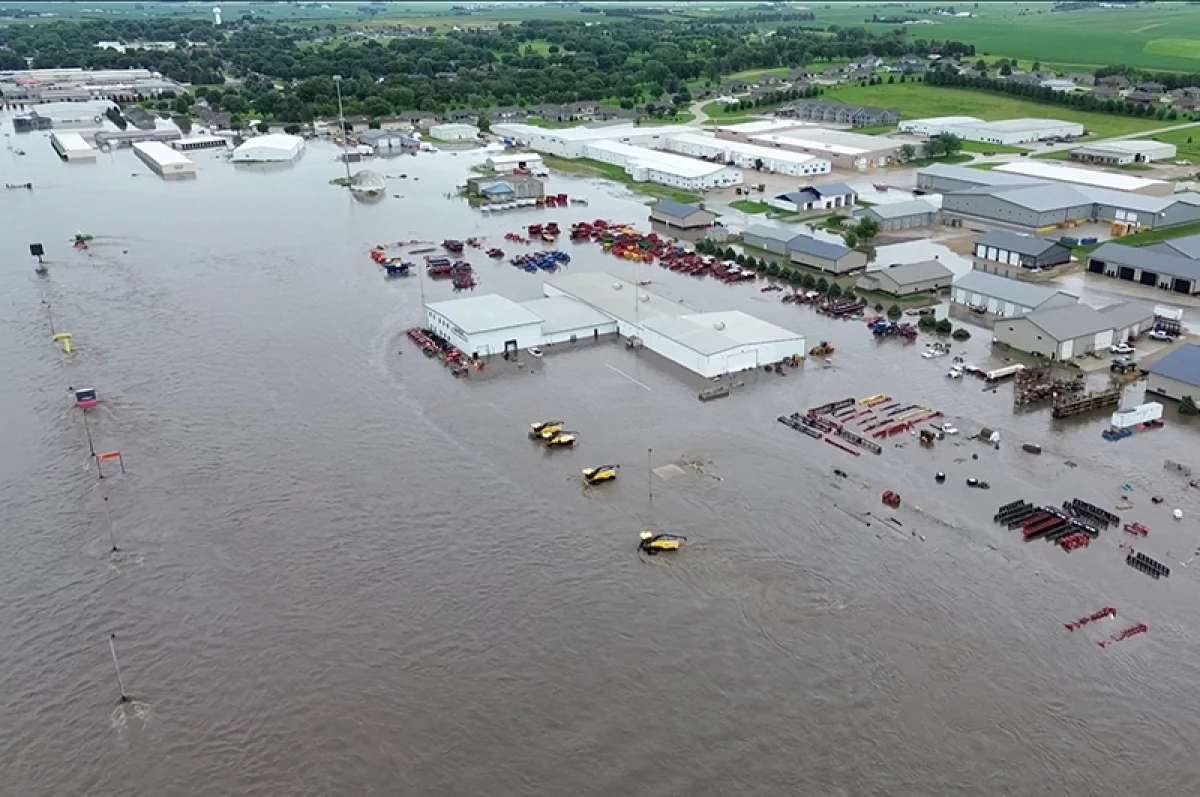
x,y
344,572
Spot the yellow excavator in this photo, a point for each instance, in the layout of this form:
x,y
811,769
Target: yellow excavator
x,y
559,439
652,544
603,473
544,429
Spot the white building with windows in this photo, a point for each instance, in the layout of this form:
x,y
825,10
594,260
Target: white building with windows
x,y
935,125
651,166
747,156
570,142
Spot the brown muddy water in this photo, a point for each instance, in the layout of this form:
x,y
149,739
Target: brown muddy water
x,y
344,572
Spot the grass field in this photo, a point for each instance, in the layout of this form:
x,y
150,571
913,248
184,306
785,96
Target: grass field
x,y
999,149
750,206
916,100
1149,237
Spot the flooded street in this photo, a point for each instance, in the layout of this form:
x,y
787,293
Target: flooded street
x,y
344,572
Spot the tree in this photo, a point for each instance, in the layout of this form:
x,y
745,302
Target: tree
x,y
932,148
950,143
893,312
879,307
822,285
907,152
849,294
850,237
184,123
944,327
960,334
773,270
741,260
292,129
1037,66
263,127
1006,70
835,289
808,281
866,229
1187,406
484,124
236,122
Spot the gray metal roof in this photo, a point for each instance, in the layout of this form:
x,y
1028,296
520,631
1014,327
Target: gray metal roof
x,y
1126,314
912,273
1148,258
676,210
900,210
1069,322
823,249
560,313
780,234
1039,198
1015,242
1022,294
1182,365
975,176
833,189
1188,246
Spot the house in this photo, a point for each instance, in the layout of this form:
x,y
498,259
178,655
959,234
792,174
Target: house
x,y
816,197
860,73
1082,78
138,117
907,279
1169,268
995,297
839,113
1177,374
467,116
1184,98
908,215
1118,82
680,216
1105,93
1059,84
1151,87
799,74
1069,331
507,113
770,80
834,258
909,64
550,111
420,120
582,110
1139,97
1016,249
868,61
1024,80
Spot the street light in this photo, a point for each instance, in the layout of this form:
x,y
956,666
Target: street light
x,y
337,82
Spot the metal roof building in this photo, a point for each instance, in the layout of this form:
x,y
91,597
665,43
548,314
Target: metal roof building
x,y
164,161
894,216
907,278
768,238
1014,131
680,216
1020,249
651,166
566,320
834,258
1068,331
485,325
71,147
1146,265
1069,174
1187,246
1177,374
747,156
843,149
935,125
1121,153
996,296
273,147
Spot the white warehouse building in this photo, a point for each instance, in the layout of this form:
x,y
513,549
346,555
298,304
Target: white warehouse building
x,y
164,161
935,125
1014,131
650,166
569,142
271,148
748,156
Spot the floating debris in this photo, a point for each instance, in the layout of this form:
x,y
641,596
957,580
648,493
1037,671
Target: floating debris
x,y
1107,611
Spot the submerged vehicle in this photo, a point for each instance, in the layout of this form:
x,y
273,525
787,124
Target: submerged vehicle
x,y
542,428
559,439
651,544
86,398
602,473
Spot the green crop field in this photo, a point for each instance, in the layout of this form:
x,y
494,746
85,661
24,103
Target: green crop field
x,y
916,101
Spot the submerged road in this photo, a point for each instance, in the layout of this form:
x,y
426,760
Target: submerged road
x,y
344,572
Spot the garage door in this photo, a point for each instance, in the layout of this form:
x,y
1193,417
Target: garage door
x,y
1181,286
1096,266
1067,350
741,361
1149,278
1104,340
1125,273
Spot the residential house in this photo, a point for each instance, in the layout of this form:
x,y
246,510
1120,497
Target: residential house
x,y
420,120
465,116
1082,78
1151,87
835,72
583,110
1024,80
550,111
800,73
1119,82
735,87
909,64
507,113
770,80
868,61
1184,98
1139,97
839,113
1105,93
1059,84
860,73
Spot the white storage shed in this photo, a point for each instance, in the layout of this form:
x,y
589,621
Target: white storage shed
x,y
484,325
71,147
567,321
747,156
271,148
454,132
715,344
164,161
650,166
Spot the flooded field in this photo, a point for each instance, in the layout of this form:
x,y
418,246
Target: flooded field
x,y
345,572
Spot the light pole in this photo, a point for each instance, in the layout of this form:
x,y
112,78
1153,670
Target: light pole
x,y
337,83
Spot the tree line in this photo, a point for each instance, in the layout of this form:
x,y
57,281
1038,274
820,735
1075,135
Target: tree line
x,y
286,71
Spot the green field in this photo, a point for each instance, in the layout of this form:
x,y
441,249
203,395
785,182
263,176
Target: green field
x,y
916,101
998,149
586,167
750,206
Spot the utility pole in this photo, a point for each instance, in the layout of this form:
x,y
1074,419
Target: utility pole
x,y
112,646
50,315
88,430
108,516
337,82
650,473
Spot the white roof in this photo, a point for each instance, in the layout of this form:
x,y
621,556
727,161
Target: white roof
x,y
520,157
838,142
1071,174
610,132
1019,292
72,142
161,154
454,127
660,161
280,142
200,140
764,126
616,297
561,313
942,120
1022,125
1132,147
713,333
752,150
486,313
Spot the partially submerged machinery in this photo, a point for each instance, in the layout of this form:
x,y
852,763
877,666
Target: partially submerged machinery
x,y
602,473
652,544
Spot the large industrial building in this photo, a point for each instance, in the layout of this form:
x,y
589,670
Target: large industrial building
x,y
1123,153
164,161
1072,330
742,131
1028,203
994,297
747,156
1177,374
486,325
1156,266
906,279
1019,249
834,258
709,344
897,216
569,142
1007,132
843,149
72,148
1043,170
271,148
74,84
651,166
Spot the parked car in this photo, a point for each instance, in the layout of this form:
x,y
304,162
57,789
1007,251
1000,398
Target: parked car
x,y
1158,334
949,428
1121,348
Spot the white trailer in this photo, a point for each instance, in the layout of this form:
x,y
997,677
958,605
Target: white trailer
x,y
1137,416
